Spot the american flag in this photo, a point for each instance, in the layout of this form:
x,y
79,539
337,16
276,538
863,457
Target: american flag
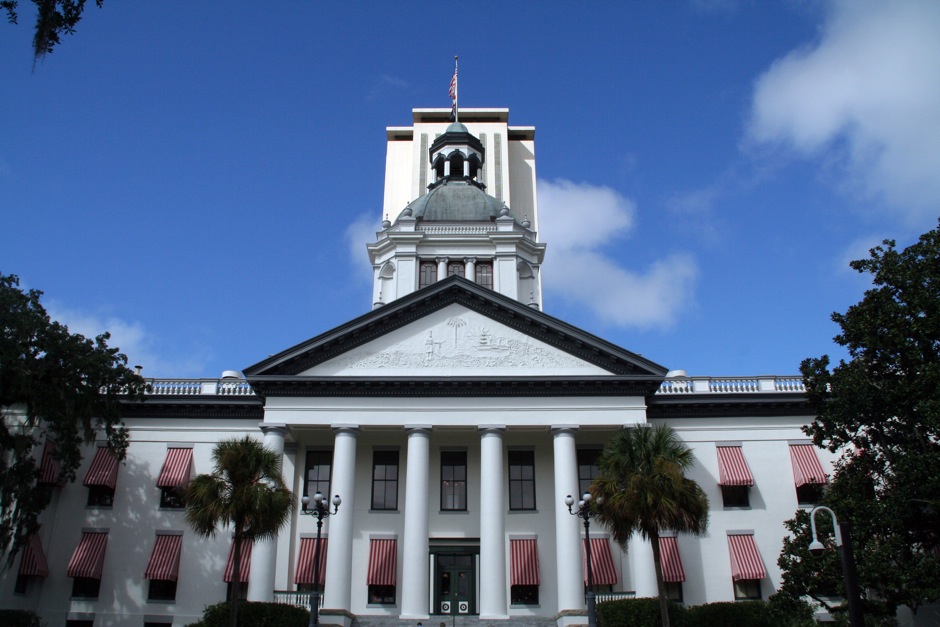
x,y
453,87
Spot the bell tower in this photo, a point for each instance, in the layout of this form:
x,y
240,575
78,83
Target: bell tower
x,y
460,198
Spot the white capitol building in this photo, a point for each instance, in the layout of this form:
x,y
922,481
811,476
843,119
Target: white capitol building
x,y
453,419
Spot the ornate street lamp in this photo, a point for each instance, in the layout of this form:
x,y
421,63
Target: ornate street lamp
x,y
844,548
321,509
586,513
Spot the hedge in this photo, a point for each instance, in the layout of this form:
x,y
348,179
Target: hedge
x,y
19,618
252,614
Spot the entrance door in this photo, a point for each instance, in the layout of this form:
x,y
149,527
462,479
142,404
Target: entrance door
x,y
455,584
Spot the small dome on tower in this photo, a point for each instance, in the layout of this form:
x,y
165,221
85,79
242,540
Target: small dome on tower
x,y
456,200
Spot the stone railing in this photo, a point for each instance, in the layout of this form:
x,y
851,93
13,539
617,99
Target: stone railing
x,y
732,385
199,387
603,597
296,598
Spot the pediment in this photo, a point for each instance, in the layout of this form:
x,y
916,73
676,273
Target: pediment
x,y
455,341
454,330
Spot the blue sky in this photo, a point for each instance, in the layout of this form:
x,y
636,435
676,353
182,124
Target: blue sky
x,y
200,178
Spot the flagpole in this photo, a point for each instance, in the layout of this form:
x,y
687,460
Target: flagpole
x,y
456,93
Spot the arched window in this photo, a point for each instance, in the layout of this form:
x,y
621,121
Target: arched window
x,y
427,274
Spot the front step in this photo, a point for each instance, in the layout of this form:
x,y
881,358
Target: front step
x,y
452,621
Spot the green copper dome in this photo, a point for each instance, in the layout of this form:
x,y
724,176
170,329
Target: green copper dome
x,y
456,200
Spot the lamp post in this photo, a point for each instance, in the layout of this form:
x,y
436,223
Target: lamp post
x,y
321,509
586,513
843,539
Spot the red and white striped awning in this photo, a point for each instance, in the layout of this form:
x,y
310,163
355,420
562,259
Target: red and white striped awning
x,y
382,562
304,571
245,562
49,468
806,466
104,469
524,563
88,559
671,562
602,563
745,558
33,559
732,467
164,562
176,468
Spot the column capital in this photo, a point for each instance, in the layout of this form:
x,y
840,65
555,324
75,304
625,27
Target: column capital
x,y
469,259
491,428
558,429
351,429
440,259
418,428
273,428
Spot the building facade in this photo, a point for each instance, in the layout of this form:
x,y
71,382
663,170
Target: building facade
x,y
453,419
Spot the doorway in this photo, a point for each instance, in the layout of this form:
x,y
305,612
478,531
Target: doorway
x,y
454,584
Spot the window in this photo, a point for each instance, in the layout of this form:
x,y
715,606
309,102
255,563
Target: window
x,y
747,590
162,590
22,584
85,587
80,623
382,595
319,465
735,495
522,480
484,275
427,275
172,498
454,480
455,267
385,480
587,468
242,591
809,493
100,496
524,595
674,591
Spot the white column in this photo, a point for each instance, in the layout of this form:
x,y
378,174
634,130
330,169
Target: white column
x,y
264,553
640,553
339,556
470,271
414,571
441,268
493,591
567,532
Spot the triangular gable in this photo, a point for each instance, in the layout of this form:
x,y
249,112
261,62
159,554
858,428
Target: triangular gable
x,y
465,321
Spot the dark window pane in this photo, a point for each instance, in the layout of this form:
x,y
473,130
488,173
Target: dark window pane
x,y
484,275
747,590
735,496
454,480
171,498
385,480
587,468
524,595
85,587
521,480
319,466
809,493
162,590
455,267
100,496
384,595
428,274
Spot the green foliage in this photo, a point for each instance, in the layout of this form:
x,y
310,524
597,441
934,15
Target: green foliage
x,y
19,618
883,406
639,613
644,489
53,18
255,615
54,385
245,491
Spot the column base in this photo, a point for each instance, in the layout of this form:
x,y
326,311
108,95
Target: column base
x,y
571,618
336,618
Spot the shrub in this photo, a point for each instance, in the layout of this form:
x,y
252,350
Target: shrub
x,y
19,618
252,614
638,613
743,613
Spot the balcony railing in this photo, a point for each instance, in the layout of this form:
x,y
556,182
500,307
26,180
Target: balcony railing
x,y
297,598
671,386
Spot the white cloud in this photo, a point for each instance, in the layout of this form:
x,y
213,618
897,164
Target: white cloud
x,y
133,340
357,234
867,95
578,221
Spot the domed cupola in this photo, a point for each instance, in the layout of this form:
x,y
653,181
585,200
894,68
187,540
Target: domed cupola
x,y
456,155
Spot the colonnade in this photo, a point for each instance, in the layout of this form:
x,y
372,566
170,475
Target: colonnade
x,y
415,572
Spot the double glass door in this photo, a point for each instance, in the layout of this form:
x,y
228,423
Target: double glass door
x,y
455,579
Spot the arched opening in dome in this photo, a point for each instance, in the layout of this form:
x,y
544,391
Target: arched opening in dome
x,y
456,164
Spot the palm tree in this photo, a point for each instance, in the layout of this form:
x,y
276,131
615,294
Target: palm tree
x,y
644,488
244,491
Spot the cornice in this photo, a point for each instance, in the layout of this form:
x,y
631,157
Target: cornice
x,y
729,406
195,407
